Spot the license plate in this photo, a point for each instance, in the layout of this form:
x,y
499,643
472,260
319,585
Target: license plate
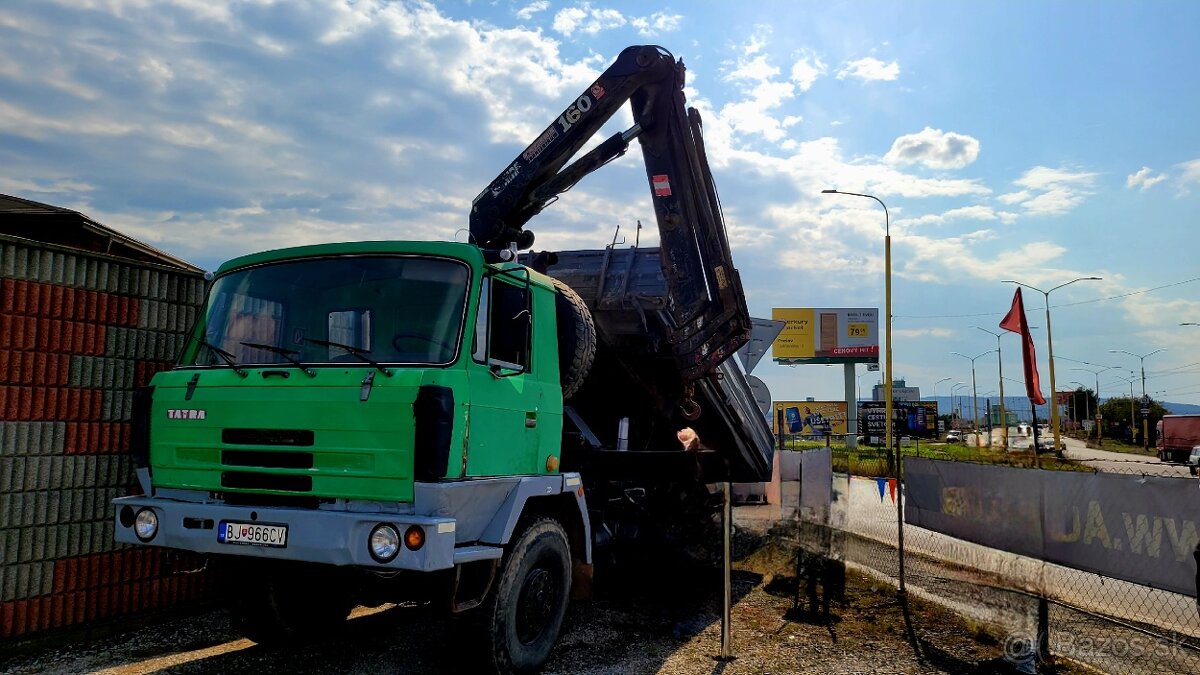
x,y
252,534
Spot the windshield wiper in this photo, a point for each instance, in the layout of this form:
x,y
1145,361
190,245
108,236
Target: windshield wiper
x,y
360,354
228,358
285,353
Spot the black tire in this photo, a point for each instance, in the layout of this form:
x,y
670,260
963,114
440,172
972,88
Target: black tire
x,y
286,604
524,613
576,338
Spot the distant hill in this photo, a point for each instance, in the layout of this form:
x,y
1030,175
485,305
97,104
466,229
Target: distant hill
x,y
1182,408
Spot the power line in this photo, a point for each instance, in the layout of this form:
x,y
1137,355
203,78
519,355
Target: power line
x,y
1039,309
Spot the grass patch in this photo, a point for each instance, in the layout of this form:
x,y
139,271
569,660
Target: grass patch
x,y
871,461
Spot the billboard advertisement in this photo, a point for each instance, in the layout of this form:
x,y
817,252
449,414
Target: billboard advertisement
x,y
813,419
826,335
913,418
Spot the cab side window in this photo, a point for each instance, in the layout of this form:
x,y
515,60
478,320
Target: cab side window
x,y
504,338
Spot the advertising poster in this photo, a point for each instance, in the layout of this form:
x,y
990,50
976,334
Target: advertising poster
x,y
812,419
913,418
826,335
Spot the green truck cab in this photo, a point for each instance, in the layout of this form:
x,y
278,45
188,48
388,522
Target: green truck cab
x,y
381,405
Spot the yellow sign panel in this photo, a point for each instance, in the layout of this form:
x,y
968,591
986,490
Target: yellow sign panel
x,y
796,340
827,335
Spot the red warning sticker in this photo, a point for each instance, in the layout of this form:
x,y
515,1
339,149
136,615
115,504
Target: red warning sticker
x,y
662,185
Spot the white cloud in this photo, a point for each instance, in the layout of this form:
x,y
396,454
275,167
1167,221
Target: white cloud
x,y
587,19
1143,180
935,149
869,69
976,212
526,13
922,332
757,76
806,70
1050,191
656,24
1190,176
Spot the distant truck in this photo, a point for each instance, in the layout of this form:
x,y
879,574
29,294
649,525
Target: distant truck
x,y
1177,435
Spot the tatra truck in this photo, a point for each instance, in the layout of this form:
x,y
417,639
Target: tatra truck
x,y
471,424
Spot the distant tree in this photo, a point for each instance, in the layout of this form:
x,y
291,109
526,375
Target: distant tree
x,y
1117,418
1081,405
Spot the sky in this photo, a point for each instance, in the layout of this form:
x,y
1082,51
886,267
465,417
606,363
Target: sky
x,y
1035,141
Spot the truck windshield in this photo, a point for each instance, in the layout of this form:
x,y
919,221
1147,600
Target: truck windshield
x,y
393,309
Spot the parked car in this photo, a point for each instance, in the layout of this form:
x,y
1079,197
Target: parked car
x,y
1046,444
1193,461
954,436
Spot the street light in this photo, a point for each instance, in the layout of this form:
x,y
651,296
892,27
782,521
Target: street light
x,y
975,394
1132,420
935,384
1050,349
1099,440
1000,370
1145,418
859,378
887,301
1087,402
952,398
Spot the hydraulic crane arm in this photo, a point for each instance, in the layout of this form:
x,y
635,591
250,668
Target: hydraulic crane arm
x,y
709,319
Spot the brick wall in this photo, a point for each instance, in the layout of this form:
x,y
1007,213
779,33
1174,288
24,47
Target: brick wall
x,y
78,331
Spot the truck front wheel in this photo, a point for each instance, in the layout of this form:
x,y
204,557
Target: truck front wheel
x,y
530,601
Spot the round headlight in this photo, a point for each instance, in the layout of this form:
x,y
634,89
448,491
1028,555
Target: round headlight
x,y
145,524
384,543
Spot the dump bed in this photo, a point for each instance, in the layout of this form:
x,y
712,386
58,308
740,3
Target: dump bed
x,y
627,294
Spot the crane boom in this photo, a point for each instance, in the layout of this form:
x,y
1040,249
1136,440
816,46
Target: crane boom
x,y
709,319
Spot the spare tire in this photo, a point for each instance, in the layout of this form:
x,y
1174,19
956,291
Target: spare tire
x,y
576,338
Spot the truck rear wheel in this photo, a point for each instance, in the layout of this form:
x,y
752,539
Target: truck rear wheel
x,y
576,338
281,604
525,612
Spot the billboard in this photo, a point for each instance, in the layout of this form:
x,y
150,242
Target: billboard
x,y
913,418
826,335
810,418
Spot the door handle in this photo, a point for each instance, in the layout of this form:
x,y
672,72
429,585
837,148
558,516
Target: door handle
x,y
530,419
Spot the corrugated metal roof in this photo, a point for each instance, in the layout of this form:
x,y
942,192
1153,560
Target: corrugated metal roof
x,y
65,227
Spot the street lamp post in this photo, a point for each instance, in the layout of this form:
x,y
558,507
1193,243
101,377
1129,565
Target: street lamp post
x,y
953,399
1050,351
935,384
1099,434
975,394
887,322
1000,371
1132,419
1087,403
1145,418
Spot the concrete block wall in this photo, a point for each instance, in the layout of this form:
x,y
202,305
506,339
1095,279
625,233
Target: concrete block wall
x,y
78,332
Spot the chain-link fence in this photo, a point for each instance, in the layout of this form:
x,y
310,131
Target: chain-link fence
x,y
1045,610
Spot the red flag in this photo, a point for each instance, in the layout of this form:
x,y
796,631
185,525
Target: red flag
x,y
1015,321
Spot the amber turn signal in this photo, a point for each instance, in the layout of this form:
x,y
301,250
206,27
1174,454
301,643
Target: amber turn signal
x,y
414,537
551,463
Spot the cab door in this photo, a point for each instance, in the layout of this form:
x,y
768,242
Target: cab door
x,y
505,395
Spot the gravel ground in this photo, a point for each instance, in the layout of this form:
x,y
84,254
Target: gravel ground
x,y
667,623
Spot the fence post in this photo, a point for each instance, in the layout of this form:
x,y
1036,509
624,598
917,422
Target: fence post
x,y
1043,630
900,515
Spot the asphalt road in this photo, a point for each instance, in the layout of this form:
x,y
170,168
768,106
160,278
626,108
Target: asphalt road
x,y
1122,462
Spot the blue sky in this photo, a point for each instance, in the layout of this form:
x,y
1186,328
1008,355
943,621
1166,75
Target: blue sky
x,y
1038,141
